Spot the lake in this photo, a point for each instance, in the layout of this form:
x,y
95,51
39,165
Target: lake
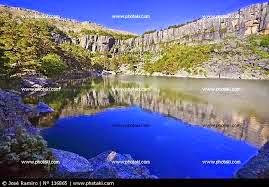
x,y
180,125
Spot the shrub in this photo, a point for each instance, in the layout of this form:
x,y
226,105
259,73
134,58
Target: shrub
x,y
265,41
81,55
52,65
19,146
176,57
223,30
256,42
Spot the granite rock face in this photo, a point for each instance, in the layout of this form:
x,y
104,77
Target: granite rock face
x,y
97,43
60,38
253,19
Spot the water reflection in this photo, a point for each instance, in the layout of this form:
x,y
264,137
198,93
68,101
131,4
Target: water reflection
x,y
242,115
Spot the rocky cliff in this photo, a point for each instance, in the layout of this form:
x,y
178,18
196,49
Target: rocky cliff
x,y
250,20
253,19
97,43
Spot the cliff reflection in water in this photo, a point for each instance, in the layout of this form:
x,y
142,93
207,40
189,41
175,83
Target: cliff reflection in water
x,y
239,121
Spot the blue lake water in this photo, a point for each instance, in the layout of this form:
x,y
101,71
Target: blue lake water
x,y
175,149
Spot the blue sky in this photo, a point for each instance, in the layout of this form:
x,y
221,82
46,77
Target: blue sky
x,y
162,12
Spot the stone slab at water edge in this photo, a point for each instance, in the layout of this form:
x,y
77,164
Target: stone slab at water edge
x,y
258,166
99,167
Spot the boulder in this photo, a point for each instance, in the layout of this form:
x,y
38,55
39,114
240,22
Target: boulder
x,y
42,108
104,166
13,111
105,72
70,163
34,81
100,167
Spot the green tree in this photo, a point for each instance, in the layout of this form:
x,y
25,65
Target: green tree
x,y
23,41
80,54
52,65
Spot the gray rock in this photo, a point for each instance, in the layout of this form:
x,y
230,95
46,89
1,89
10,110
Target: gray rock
x,y
35,81
257,166
43,108
253,19
13,111
70,163
99,167
60,38
97,43
104,166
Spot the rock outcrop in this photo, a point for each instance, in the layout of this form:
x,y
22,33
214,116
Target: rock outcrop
x,y
96,43
70,163
253,19
35,81
42,108
19,140
107,165
112,165
13,112
256,167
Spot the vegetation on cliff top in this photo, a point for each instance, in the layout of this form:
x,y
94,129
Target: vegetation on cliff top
x,y
259,44
180,57
150,31
117,36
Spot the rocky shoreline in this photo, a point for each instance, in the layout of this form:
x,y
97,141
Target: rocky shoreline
x,y
257,166
186,75
103,166
21,141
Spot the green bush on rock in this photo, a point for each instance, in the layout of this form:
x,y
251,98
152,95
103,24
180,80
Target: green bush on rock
x,y
265,41
52,64
21,146
257,43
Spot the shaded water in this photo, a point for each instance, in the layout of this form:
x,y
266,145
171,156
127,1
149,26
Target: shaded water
x,y
174,123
